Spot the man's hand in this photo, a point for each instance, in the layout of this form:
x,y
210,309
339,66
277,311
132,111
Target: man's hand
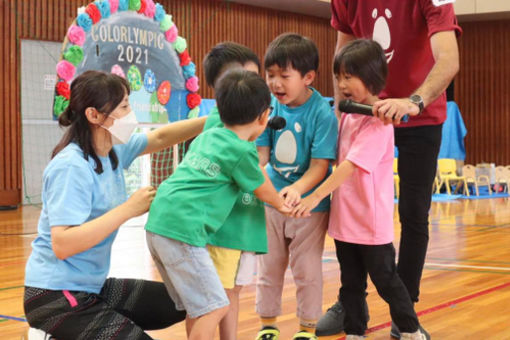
x,y
291,195
391,110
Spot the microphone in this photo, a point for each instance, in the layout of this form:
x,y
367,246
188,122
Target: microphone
x,y
276,123
349,106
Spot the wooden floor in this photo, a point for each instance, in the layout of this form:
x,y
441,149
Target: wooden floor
x,y
465,291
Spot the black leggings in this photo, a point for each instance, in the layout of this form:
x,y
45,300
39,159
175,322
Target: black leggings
x,y
122,310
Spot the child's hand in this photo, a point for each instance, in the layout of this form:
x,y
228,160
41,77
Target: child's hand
x,y
285,209
140,200
291,195
306,205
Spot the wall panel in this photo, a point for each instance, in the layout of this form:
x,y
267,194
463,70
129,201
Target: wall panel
x,y
482,90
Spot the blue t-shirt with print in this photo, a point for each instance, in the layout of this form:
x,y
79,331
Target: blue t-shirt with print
x,y
72,194
311,132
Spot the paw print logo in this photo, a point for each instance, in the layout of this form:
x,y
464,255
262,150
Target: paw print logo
x,y
382,31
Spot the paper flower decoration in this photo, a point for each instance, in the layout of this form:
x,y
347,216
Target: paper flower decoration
x,y
60,105
63,89
74,55
192,84
116,69
114,5
193,100
149,81
84,21
185,58
164,91
180,44
160,13
123,5
166,23
65,70
134,78
193,113
93,12
150,8
76,35
171,34
104,8
134,5
189,70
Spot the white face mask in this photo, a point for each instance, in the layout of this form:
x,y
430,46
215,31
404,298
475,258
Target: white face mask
x,y
122,128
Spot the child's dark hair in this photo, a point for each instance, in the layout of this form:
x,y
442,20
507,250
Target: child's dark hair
x,y
291,49
242,96
102,91
225,53
364,59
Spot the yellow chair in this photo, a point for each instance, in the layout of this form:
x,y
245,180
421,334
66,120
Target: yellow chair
x,y
436,186
396,177
447,168
503,176
469,172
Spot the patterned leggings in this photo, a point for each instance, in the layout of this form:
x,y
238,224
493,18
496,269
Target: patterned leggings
x,y
122,310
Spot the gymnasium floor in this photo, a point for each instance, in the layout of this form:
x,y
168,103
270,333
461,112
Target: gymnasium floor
x,y
465,291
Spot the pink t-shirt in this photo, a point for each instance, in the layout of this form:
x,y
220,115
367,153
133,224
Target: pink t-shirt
x,y
403,29
362,207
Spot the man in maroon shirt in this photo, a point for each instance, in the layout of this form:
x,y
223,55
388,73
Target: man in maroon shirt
x,y
419,39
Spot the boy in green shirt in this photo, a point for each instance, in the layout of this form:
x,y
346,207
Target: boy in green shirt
x,y
194,202
243,233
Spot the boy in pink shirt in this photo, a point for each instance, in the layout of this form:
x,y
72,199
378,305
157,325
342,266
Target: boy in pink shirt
x,y
361,215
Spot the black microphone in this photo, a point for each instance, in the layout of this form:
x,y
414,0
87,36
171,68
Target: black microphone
x,y
349,106
276,123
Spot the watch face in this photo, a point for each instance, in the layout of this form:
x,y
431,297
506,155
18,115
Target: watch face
x,y
416,98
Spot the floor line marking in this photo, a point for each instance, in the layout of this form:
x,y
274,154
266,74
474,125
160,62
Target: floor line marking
x,y
12,318
466,266
441,306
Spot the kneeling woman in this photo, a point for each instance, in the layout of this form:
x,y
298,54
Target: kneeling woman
x,y
84,201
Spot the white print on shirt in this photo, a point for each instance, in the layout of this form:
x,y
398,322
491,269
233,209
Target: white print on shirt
x,y
438,3
203,164
286,151
247,198
382,32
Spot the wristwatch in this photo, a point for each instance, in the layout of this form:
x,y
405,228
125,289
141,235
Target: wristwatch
x,y
417,100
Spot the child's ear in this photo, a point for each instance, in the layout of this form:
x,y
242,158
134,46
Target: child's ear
x,y
264,117
309,77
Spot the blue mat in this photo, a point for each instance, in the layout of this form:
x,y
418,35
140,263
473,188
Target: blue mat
x,y
494,195
445,197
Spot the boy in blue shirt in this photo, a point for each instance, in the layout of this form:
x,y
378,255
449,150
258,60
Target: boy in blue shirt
x,y
299,159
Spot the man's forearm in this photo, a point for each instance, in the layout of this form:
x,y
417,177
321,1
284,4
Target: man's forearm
x,y
446,54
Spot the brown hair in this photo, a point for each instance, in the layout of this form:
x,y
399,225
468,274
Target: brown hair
x,y
100,90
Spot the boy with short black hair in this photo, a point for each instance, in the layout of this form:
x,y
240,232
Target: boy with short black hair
x,y
243,234
299,158
194,202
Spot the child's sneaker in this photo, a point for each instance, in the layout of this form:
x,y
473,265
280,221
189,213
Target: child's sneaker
x,y
395,332
304,335
354,337
268,333
418,335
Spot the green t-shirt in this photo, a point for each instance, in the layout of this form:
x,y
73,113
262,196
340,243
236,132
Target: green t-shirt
x,y
245,227
195,201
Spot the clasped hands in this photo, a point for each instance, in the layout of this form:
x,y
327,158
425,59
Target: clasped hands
x,y
298,207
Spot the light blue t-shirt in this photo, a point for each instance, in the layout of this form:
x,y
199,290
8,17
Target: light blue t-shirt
x,y
72,194
311,132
